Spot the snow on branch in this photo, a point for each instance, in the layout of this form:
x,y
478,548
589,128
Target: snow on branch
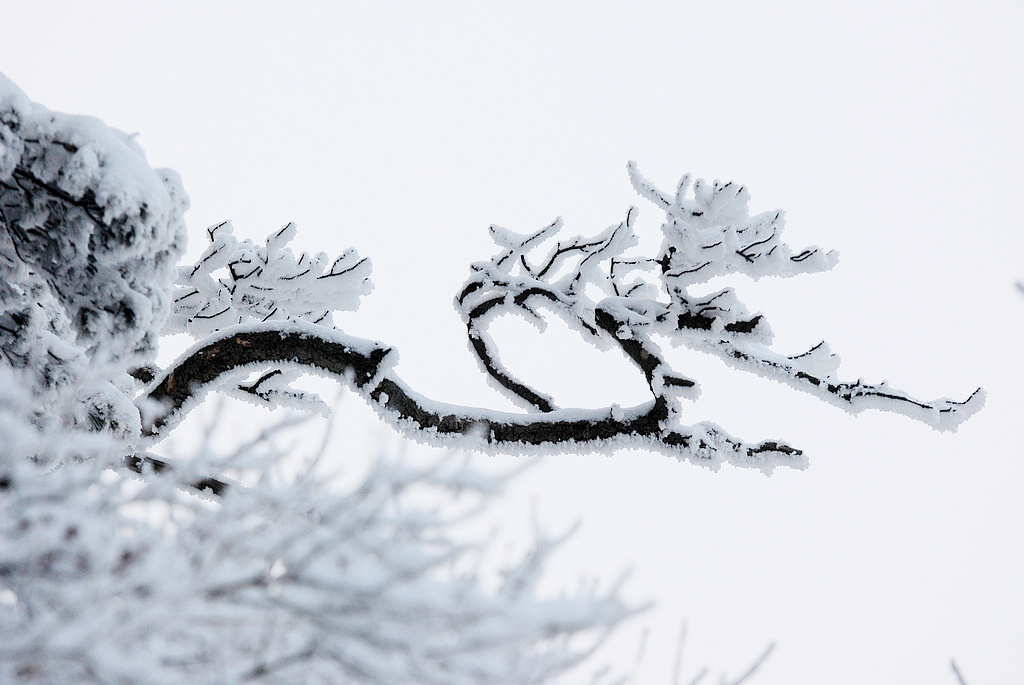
x,y
612,297
366,367
238,282
707,233
711,233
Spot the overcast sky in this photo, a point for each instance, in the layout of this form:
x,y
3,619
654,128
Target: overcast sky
x,y
888,131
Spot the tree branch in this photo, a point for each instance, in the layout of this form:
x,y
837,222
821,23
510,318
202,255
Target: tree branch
x,y
941,414
354,360
365,367
492,364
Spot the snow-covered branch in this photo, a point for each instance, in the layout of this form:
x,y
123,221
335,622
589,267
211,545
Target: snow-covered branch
x,y
707,235
366,367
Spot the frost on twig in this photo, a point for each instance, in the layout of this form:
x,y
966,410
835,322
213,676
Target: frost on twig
x,y
236,281
707,233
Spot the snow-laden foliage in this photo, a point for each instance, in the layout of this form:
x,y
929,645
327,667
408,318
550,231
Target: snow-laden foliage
x,y
238,282
89,235
106,578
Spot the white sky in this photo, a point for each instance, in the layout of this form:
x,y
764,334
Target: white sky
x,y
890,132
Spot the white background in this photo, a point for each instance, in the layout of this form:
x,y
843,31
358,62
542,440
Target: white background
x,y
889,131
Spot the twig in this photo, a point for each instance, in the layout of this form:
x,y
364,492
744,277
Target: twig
x,y
956,671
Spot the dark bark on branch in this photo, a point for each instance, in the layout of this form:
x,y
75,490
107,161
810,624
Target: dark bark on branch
x,y
494,368
640,350
943,414
361,364
530,429
269,344
495,371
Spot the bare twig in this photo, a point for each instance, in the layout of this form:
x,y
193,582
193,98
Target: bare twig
x,y
956,671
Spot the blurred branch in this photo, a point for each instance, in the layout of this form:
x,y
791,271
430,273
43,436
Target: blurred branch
x,y
956,671
141,463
